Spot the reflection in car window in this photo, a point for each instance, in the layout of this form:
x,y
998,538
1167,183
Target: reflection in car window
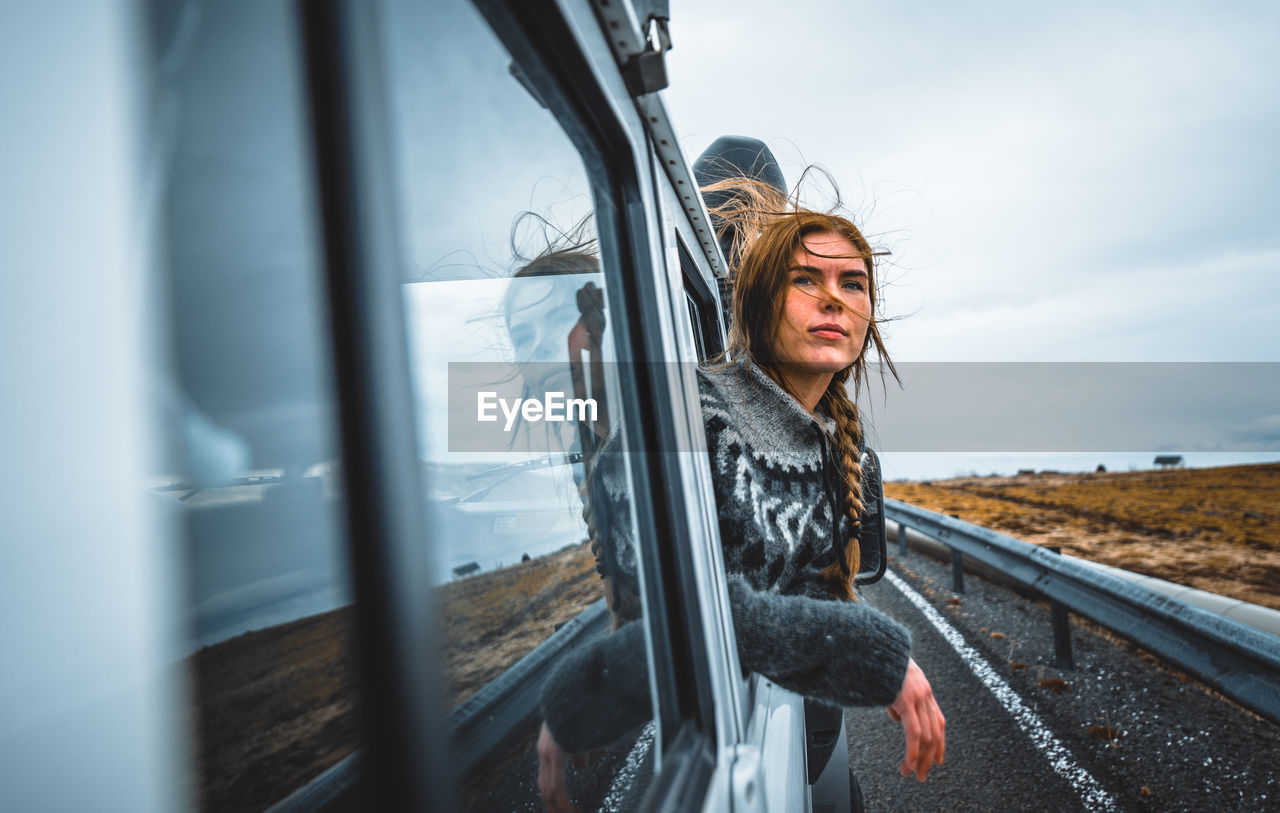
x,y
503,292
252,470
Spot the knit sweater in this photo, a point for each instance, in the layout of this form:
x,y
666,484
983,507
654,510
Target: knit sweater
x,y
778,490
775,487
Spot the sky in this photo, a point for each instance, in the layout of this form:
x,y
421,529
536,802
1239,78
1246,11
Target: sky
x,y
1086,182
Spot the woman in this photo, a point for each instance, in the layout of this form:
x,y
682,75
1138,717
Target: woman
x,y
785,443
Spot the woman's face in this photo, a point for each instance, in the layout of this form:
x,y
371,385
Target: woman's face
x,y
828,304
540,312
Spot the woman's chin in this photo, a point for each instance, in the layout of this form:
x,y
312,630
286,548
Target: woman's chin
x,y
824,364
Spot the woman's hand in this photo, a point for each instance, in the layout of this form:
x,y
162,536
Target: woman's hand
x,y
552,760
922,722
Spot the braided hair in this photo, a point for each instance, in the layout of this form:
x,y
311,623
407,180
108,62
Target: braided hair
x,y
847,443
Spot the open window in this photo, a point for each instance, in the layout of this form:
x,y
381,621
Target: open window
x,y
702,302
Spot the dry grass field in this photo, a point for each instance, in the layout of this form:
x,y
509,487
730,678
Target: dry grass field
x,y
493,619
276,707
1217,529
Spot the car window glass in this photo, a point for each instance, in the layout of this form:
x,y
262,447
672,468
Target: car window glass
x,y
251,475
503,292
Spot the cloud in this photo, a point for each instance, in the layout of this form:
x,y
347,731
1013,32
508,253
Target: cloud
x,y
1262,432
1032,169
1220,309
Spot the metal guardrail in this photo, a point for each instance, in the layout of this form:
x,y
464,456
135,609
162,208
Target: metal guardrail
x,y
479,726
1254,615
1241,662
334,790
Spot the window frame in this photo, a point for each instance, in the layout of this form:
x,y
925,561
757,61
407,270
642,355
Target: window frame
x,y
548,48
406,764
704,300
349,125
564,55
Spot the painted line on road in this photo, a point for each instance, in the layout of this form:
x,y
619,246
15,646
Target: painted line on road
x,y
1060,759
625,778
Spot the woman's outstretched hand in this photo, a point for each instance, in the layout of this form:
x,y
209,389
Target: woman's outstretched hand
x,y
552,761
922,722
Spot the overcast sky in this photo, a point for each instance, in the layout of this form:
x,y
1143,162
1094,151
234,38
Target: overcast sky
x,y
1057,182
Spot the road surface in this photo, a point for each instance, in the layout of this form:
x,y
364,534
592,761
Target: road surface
x,y
1117,732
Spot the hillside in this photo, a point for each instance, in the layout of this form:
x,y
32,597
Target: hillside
x,y
1217,529
493,619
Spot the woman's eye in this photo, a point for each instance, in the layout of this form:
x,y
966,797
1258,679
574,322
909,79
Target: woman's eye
x,y
855,286
801,281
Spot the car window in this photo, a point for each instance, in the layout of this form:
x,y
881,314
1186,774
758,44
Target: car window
x,y
251,475
504,294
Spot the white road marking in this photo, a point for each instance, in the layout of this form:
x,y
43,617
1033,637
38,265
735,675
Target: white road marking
x,y
1060,759
626,776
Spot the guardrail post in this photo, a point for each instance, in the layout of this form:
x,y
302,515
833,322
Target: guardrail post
x,y
1060,621
957,571
902,540
1061,636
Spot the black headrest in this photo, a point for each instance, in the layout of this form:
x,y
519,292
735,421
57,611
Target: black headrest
x,y
735,157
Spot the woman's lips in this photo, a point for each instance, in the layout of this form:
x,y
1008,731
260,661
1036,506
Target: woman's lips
x,y
827,331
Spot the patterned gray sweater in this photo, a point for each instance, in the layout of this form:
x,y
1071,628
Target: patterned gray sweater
x,y
778,493
776,496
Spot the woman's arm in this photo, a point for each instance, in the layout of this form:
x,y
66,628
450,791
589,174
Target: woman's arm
x,y
843,652
598,692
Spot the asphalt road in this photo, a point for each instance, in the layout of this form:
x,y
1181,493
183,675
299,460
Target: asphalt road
x,y
1117,732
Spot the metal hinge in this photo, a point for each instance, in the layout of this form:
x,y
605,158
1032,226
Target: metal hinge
x,y
746,784
646,72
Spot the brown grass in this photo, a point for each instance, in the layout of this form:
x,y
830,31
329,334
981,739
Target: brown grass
x,y
493,619
275,708
1217,529
1055,685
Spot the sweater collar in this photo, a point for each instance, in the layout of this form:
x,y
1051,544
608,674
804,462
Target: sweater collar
x,y
784,400
775,423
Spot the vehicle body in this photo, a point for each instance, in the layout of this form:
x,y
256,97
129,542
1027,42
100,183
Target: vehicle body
x,y
252,308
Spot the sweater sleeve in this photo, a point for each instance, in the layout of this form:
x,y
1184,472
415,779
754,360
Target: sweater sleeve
x,y
843,652
599,691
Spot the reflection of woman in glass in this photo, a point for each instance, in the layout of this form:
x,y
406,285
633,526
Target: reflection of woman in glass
x,y
557,327
785,446
552,314
544,311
